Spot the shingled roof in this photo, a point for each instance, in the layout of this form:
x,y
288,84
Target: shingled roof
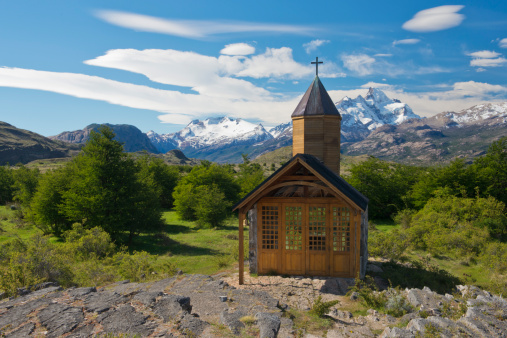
x,y
316,101
320,169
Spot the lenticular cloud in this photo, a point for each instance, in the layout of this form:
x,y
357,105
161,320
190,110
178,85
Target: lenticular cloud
x,y
435,19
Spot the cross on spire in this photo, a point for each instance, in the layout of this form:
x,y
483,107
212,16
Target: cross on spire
x,y
316,63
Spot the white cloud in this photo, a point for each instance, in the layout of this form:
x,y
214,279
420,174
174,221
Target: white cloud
x,y
177,107
406,42
275,62
194,28
372,84
362,64
484,54
238,49
486,58
480,70
488,62
383,55
313,45
435,19
503,43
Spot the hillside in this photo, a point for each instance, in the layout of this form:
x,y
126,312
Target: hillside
x,y
22,146
132,138
282,155
465,134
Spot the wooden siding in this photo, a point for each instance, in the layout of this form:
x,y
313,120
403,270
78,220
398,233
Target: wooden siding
x,y
318,136
313,237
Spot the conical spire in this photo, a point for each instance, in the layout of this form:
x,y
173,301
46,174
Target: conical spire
x,y
316,101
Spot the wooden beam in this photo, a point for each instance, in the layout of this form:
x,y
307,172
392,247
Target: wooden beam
x,y
241,249
299,178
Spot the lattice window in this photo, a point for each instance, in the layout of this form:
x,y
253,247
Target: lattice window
x,y
293,228
317,228
269,227
341,229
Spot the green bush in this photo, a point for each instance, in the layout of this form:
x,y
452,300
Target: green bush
x,y
369,294
320,308
390,245
85,244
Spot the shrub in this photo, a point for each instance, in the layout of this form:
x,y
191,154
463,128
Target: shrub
x,y
390,245
320,308
369,294
396,304
88,243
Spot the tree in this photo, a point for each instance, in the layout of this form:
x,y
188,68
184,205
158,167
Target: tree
x,y
457,179
384,184
106,190
162,177
25,184
211,207
491,171
188,193
46,205
6,185
250,175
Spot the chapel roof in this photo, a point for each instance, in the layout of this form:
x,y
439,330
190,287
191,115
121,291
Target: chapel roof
x,y
318,168
316,101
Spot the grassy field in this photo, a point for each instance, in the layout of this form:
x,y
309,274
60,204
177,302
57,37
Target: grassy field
x,y
209,251
192,249
182,243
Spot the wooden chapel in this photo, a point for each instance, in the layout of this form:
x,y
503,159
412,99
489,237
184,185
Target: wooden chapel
x,y
305,219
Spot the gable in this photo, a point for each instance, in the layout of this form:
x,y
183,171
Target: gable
x,y
304,176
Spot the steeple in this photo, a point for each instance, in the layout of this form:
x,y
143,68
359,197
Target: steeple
x,y
316,126
316,101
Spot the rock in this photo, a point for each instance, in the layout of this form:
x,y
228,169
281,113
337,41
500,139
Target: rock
x,y
372,312
171,307
396,332
125,319
232,320
16,314
80,292
423,298
223,298
268,323
23,331
60,319
354,295
374,268
99,302
192,326
341,314
147,298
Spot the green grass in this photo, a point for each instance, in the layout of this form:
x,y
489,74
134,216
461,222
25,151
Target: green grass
x,y
385,225
192,249
12,227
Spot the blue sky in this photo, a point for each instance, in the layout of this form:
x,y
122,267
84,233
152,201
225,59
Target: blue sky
x,y
160,64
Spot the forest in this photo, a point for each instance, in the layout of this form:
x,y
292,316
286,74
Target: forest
x,y
92,216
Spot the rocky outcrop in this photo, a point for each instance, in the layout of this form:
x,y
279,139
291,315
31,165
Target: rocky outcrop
x,y
202,306
132,138
23,146
184,306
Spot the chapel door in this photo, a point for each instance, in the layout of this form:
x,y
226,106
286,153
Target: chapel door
x,y
269,238
317,258
343,242
293,245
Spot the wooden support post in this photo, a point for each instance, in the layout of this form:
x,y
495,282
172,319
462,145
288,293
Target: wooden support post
x,y
241,216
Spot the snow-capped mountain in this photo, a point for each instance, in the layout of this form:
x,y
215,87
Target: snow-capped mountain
x,y
212,138
281,130
485,114
361,115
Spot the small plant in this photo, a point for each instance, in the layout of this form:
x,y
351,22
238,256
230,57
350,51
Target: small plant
x,y
424,314
247,320
221,261
369,294
320,308
396,304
